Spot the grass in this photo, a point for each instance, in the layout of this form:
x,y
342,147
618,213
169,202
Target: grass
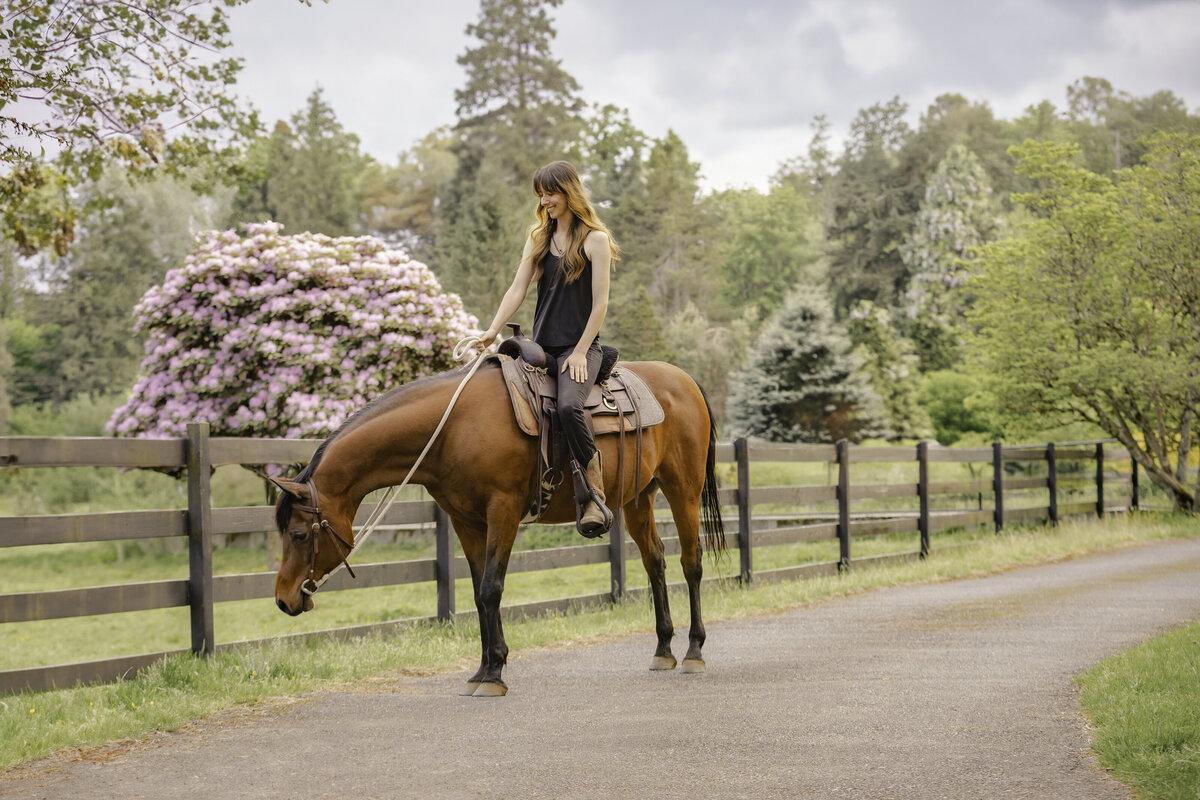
x,y
184,688
1145,706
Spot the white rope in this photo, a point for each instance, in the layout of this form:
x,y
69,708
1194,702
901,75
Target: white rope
x,y
462,352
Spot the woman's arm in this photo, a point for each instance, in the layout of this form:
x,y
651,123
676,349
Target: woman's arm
x,y
598,252
513,297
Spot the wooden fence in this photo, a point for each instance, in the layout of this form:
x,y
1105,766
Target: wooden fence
x,y
749,528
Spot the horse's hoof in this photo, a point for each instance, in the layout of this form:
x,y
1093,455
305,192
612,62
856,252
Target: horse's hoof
x,y
693,666
662,662
491,690
470,690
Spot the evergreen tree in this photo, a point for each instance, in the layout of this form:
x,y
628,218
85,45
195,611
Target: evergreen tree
x,y
516,112
804,383
890,360
304,175
518,101
84,341
871,207
956,217
637,331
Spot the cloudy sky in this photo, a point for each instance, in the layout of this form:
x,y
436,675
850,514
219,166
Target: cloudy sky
x,y
738,80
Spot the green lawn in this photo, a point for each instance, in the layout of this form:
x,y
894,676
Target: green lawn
x,y
182,689
1145,705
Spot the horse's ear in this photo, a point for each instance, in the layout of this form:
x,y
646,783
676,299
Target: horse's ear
x,y
297,490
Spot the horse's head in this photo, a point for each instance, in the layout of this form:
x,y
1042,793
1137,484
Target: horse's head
x,y
312,547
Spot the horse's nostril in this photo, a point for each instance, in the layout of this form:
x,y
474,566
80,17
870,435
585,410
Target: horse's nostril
x,y
283,606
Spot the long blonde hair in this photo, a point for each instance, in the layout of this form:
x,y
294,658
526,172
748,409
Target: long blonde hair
x,y
560,177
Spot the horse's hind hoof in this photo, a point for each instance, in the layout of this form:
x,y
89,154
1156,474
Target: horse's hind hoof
x,y
470,690
693,666
662,662
490,690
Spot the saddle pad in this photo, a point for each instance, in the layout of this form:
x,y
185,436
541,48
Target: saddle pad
x,y
625,388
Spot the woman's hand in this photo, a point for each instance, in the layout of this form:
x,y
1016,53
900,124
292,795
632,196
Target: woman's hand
x,y
577,364
486,338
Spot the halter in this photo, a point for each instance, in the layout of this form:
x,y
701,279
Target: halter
x,y
310,584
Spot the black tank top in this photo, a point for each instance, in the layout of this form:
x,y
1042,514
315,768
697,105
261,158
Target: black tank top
x,y
563,308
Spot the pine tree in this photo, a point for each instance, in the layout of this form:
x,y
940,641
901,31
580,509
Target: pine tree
x,y
956,217
516,112
518,102
804,383
891,361
304,175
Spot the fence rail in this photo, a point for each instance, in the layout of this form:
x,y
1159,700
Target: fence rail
x,y
200,522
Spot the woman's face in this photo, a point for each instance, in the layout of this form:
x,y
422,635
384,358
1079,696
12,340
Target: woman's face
x,y
555,204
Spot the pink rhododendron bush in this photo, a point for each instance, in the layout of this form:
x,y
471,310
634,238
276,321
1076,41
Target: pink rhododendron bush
x,y
285,336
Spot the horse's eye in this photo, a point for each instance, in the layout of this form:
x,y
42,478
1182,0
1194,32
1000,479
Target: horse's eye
x,y
299,534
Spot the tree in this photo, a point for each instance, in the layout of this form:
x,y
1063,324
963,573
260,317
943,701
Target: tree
x,y
871,205
97,81
803,383
946,396
305,175
770,249
517,111
518,101
891,363
6,365
709,352
400,202
956,217
126,244
273,335
637,331
1093,309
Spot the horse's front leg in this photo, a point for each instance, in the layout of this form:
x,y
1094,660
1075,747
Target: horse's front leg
x,y
501,536
474,541
639,521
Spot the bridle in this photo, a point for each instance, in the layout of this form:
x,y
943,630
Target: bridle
x,y
344,548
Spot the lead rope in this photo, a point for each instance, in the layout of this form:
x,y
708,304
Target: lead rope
x,y
461,351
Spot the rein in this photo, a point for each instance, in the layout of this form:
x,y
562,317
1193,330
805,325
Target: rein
x,y
347,550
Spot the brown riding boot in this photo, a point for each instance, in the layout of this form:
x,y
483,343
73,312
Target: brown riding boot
x,y
594,517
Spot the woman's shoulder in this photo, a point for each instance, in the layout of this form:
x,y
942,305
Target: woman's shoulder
x,y
595,239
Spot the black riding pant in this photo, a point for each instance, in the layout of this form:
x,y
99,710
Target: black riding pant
x,y
571,397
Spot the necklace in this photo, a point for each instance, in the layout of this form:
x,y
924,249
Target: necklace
x,y
559,252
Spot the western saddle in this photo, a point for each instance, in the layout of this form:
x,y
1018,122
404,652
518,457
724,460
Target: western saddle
x,y
619,402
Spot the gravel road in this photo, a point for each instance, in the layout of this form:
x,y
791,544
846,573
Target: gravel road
x,y
955,690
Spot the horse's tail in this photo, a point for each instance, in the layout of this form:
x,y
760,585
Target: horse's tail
x,y
710,503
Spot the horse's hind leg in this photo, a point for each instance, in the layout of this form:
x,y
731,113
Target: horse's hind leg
x,y
639,521
685,508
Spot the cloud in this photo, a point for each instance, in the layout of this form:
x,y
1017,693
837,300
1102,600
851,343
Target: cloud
x,y
739,82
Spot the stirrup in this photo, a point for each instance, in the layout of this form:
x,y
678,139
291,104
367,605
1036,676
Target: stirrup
x,y
583,495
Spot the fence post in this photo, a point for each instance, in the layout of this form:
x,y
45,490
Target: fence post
x,y
998,484
444,544
843,496
1052,481
200,581
923,495
1099,479
741,454
1133,488
616,560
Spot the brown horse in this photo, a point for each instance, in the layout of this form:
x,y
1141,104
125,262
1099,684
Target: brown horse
x,y
480,471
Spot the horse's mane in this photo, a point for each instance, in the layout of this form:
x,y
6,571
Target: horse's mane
x,y
380,405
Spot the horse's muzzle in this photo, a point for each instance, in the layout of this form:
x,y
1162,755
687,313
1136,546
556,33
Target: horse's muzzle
x,y
306,604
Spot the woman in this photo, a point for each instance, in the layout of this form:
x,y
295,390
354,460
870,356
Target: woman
x,y
569,254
